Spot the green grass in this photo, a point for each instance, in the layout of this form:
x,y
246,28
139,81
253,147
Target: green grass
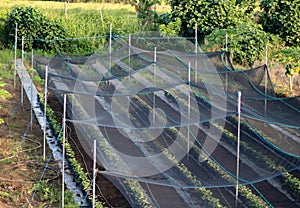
x,y
85,21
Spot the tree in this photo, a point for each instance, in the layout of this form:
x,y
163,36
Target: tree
x,y
145,11
208,15
282,17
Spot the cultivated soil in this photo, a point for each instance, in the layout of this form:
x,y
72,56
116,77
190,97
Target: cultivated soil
x,y
21,156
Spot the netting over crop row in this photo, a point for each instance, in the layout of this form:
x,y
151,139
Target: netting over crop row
x,y
164,114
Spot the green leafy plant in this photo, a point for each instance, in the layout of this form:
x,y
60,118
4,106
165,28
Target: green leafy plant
x,y
4,94
170,29
282,17
290,58
81,177
209,15
145,12
38,30
246,41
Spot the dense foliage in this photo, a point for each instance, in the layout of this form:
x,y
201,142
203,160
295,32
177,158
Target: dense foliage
x,y
282,17
34,25
145,12
247,42
96,1
208,15
290,58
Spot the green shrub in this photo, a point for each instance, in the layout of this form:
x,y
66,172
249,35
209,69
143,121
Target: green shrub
x,y
247,41
39,31
209,15
145,13
282,17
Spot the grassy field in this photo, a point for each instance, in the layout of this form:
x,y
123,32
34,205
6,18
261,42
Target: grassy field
x,y
85,19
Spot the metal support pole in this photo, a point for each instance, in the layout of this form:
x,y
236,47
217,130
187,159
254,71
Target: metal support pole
x,y
226,81
22,91
196,38
110,37
238,150
94,172
189,109
66,9
196,51
22,50
226,62
22,94
154,71
266,79
110,44
16,47
32,59
31,107
226,42
129,54
63,152
45,109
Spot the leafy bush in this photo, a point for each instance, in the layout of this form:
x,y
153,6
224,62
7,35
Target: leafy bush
x,y
38,30
170,29
209,15
145,12
247,41
290,58
282,17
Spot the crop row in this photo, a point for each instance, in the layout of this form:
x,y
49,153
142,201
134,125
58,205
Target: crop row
x,y
253,200
93,132
81,177
290,181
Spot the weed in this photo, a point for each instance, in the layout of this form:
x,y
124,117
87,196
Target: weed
x,y
5,195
